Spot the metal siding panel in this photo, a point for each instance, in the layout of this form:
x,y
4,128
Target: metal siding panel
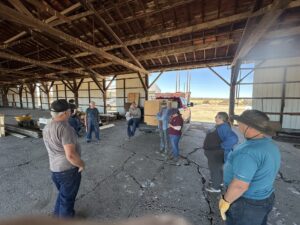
x,y
275,90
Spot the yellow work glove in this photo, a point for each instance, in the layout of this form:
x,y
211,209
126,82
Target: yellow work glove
x,y
223,207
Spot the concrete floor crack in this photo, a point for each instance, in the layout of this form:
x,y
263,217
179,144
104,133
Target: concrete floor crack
x,y
284,179
114,173
203,180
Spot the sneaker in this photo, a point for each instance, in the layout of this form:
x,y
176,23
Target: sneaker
x,y
98,142
212,190
88,141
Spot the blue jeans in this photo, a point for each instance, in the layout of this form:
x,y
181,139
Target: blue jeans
x,y
163,140
67,184
174,140
93,126
133,123
250,212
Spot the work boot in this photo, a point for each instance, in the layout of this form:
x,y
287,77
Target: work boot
x,y
212,190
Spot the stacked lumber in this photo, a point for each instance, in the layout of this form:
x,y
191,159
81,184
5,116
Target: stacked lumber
x,y
23,131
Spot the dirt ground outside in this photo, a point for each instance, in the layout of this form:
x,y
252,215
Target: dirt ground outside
x,y
206,110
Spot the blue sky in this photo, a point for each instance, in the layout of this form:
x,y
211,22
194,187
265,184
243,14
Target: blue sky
x,y
204,84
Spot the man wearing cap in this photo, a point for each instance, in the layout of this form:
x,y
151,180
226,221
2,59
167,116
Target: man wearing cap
x,y
163,120
250,172
64,157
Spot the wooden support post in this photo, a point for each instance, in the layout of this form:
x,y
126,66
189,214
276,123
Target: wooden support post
x,y
147,85
41,101
104,94
89,91
65,89
76,97
20,90
26,94
46,90
234,76
124,91
283,96
14,101
31,88
56,88
4,92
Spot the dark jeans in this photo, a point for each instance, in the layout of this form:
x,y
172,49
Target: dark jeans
x,y
67,184
250,212
174,140
133,123
92,126
215,164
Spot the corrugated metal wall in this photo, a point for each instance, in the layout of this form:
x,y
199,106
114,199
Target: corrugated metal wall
x,y
275,91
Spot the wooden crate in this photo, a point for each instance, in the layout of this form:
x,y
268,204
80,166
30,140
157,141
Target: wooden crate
x,y
152,107
151,120
2,128
133,97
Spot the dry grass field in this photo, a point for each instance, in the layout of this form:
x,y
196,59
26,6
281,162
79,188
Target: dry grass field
x,y
204,110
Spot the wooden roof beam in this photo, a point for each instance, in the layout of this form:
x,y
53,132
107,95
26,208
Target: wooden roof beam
x,y
182,50
42,5
56,47
49,20
112,33
276,9
9,14
203,26
39,63
20,7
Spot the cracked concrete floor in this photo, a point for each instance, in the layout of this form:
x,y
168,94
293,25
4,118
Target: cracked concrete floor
x,y
130,178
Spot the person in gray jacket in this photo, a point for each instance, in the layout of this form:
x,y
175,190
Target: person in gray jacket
x,y
134,121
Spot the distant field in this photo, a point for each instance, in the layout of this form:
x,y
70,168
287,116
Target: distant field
x,y
205,110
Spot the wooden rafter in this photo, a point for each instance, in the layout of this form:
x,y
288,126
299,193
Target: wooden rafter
x,y
53,45
12,15
113,34
20,7
110,82
277,8
40,63
42,5
49,20
181,50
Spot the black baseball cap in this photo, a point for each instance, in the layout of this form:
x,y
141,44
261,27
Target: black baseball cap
x,y
60,105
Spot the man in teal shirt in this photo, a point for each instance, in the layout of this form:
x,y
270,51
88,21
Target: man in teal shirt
x,y
250,172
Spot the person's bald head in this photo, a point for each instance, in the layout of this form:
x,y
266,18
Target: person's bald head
x,y
92,104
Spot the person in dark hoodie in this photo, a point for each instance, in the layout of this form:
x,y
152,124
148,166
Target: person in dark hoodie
x,y
218,144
